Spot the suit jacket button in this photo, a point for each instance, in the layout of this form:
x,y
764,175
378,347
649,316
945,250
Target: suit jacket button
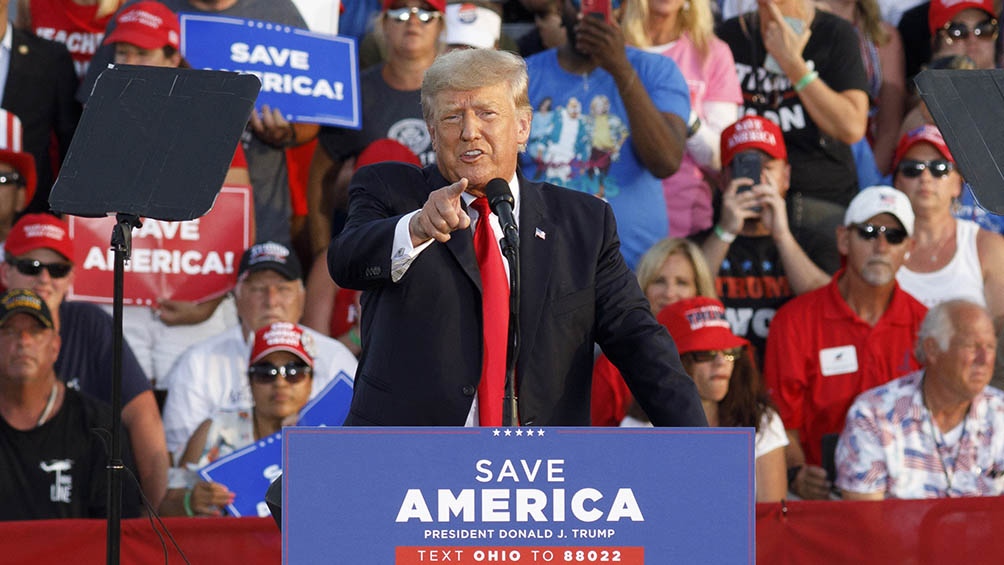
x,y
469,390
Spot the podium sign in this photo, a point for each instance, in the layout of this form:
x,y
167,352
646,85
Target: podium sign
x,y
411,496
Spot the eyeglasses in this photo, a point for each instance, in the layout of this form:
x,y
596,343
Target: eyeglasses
x,y
729,355
868,232
405,14
267,373
911,168
33,268
958,31
11,178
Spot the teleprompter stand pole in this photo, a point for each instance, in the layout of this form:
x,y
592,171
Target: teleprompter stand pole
x,y
122,246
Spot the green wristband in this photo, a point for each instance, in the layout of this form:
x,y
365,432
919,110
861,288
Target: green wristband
x,y
806,80
188,503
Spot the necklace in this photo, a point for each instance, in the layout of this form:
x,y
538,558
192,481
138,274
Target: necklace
x,y
936,251
940,444
48,405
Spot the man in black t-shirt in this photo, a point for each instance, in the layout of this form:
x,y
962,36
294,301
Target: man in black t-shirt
x,y
758,263
52,460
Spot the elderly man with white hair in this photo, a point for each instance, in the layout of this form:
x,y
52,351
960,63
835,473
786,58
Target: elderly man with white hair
x,y
937,432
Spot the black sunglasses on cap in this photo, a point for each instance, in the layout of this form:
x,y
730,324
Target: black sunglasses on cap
x,y
33,267
958,31
868,232
267,373
912,168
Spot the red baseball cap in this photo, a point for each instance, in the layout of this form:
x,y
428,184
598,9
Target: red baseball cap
x,y
39,231
926,133
699,324
148,25
283,336
942,11
438,5
753,132
12,153
386,149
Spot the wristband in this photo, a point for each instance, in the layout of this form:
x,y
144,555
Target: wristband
x,y
725,236
806,80
792,475
188,503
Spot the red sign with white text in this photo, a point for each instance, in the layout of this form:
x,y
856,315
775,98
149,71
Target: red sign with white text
x,y
195,260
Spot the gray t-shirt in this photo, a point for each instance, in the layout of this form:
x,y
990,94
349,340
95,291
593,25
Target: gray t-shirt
x,y
387,112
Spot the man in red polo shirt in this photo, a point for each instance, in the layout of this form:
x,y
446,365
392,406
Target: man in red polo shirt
x,y
827,346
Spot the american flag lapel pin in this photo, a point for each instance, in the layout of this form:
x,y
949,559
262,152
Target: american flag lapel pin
x,y
539,233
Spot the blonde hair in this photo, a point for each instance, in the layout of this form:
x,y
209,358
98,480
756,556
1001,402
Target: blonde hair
x,y
651,262
697,22
471,69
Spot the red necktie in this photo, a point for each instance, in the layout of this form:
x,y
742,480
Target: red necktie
x,y
495,313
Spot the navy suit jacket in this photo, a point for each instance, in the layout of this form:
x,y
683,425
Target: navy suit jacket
x,y
41,84
421,336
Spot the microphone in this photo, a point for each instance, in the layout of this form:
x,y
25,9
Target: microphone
x,y
501,203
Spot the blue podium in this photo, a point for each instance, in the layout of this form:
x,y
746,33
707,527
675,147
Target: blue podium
x,y
410,496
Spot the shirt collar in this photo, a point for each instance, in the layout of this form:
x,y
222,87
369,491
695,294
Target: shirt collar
x,y
513,186
8,38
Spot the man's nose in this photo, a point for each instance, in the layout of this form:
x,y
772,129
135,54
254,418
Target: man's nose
x,y
471,127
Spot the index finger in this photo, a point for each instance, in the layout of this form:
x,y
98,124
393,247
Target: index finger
x,y
454,190
775,13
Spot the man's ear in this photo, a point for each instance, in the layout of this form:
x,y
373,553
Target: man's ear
x,y
843,240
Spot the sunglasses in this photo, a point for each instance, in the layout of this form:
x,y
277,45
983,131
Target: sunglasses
x,y
868,232
267,373
405,14
33,268
11,178
911,168
729,355
957,31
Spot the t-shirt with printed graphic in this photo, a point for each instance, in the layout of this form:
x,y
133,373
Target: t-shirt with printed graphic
x,y
387,113
752,285
72,24
57,470
821,166
584,141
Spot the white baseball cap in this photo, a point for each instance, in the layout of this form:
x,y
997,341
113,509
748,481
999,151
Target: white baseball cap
x,y
473,26
876,200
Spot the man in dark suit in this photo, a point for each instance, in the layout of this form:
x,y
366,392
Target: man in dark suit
x,y
40,88
408,246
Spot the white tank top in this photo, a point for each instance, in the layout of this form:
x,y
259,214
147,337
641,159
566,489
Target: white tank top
x,y
962,277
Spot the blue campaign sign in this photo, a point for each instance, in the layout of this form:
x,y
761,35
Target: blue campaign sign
x,y
310,77
411,496
247,473
331,406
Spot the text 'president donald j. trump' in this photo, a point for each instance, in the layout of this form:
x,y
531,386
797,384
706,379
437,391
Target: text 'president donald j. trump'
x,y
433,352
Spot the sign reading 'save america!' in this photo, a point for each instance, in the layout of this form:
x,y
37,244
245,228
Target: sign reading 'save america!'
x,y
195,260
411,496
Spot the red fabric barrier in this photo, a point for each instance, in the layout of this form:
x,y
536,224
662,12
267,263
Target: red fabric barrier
x,y
237,541
916,532
961,530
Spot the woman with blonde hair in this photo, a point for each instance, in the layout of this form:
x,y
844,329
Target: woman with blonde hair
x,y
682,30
671,270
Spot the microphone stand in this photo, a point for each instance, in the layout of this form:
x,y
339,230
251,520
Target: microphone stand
x,y
510,404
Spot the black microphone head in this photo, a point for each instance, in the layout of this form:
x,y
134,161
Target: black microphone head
x,y
497,191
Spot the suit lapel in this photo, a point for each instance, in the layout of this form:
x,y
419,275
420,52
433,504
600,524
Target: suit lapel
x,y
461,243
535,261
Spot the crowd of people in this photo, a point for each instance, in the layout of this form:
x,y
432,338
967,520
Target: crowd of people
x,y
759,184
